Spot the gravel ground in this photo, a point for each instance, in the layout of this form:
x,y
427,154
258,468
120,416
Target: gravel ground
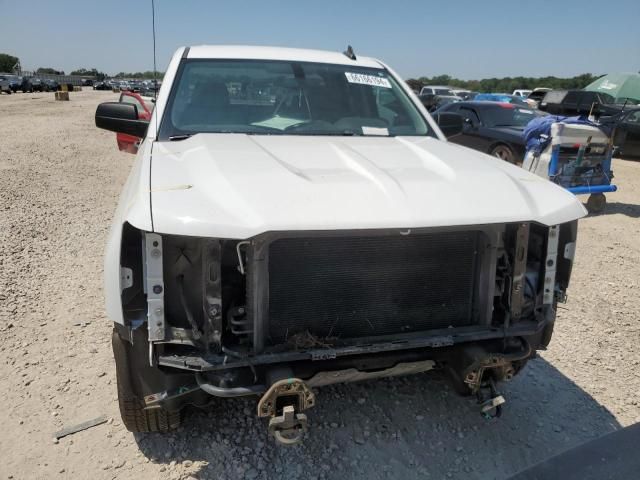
x,y
60,178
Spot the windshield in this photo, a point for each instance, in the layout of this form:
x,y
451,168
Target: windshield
x,y
508,116
293,98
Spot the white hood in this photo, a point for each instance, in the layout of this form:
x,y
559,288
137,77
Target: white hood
x,y
238,186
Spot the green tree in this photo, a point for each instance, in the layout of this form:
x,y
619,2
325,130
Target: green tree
x,y
415,84
89,73
49,70
141,75
7,62
508,84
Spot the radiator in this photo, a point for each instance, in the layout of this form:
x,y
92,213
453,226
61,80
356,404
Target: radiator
x,y
349,287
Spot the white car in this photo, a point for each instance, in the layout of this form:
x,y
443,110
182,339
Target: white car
x,y
436,90
522,93
295,218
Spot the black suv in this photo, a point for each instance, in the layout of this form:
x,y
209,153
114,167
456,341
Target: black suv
x,y
574,102
36,84
50,85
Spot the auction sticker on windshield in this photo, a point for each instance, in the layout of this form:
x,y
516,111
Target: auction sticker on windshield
x,y
363,79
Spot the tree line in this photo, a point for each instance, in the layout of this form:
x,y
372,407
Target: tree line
x,y
139,75
8,62
94,72
506,84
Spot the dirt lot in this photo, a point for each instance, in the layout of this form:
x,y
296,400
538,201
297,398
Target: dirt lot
x,y
59,182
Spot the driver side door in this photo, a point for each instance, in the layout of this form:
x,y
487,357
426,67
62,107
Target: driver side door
x,y
472,132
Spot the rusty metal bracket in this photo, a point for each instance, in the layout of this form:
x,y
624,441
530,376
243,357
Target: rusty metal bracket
x,y
491,407
288,428
284,402
212,298
551,265
519,270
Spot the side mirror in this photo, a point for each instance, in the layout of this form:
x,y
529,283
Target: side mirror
x,y
121,118
451,124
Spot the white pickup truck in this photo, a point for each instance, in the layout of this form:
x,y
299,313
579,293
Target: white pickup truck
x,y
295,218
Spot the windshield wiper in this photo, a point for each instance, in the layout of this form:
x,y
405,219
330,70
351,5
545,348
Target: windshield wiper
x,y
176,138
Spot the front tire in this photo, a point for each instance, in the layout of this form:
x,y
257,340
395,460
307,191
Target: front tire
x,y
130,376
503,152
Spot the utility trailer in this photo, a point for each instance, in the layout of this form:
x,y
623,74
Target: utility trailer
x,y
578,158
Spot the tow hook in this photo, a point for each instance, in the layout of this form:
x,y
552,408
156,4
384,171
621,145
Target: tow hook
x,y
284,403
491,403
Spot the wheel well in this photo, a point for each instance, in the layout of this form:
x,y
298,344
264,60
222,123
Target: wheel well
x,y
498,143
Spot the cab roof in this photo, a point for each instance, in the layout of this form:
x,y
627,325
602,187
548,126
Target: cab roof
x,y
278,53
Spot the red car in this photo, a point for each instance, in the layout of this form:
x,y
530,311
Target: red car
x,y
129,143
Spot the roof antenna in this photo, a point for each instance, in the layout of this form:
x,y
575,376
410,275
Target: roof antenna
x,y
349,53
155,71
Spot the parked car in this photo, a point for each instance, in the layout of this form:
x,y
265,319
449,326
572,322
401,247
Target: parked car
x,y
428,100
441,100
50,85
19,84
627,133
150,88
5,87
102,85
432,102
536,96
522,93
315,230
129,143
86,82
135,86
573,102
464,94
499,97
436,90
36,84
493,128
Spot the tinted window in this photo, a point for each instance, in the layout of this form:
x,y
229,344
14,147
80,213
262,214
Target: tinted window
x,y
554,96
451,107
470,114
571,97
605,98
507,116
634,118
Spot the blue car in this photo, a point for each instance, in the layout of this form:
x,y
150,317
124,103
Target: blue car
x,y
499,97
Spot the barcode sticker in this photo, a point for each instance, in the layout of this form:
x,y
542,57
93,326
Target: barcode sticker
x,y
375,131
371,80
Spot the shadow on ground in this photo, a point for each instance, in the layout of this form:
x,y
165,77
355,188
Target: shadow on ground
x,y
627,209
409,427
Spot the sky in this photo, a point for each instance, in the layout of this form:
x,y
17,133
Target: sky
x,y
465,39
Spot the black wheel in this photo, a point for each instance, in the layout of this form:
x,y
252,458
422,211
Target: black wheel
x,y
596,203
503,152
131,375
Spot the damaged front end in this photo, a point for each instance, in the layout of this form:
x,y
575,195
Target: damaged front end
x,y
284,312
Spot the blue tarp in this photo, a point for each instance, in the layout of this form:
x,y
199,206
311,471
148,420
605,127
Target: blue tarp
x,y
493,97
537,133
